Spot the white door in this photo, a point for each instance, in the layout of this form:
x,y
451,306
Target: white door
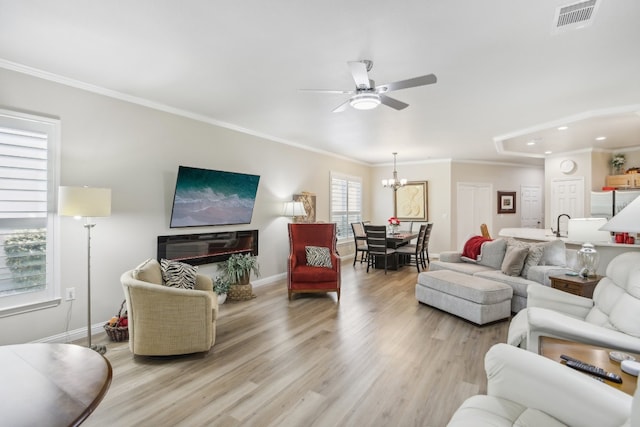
x,y
531,206
567,197
474,202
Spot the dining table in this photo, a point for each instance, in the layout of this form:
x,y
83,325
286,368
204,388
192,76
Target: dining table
x,y
51,384
394,241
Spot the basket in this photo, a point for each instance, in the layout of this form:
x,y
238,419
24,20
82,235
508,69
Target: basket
x,y
240,292
118,333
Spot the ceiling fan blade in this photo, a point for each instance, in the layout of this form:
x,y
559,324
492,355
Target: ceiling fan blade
x,y
340,108
342,92
360,75
404,84
393,103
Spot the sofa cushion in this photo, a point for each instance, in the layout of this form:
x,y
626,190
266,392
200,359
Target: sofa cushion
x,y
514,260
519,284
541,273
307,274
554,253
492,253
533,258
460,267
490,410
148,271
178,274
318,256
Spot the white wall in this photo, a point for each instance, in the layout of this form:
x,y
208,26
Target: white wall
x,y
437,174
503,178
136,152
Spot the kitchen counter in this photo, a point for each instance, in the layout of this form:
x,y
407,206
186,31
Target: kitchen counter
x,y
545,235
607,250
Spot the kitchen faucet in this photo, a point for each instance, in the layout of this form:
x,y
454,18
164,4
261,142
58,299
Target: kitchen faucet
x,y
557,232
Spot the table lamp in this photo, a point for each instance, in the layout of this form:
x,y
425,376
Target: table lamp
x,y
294,209
627,220
86,202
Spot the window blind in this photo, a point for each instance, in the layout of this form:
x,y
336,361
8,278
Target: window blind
x,y
346,203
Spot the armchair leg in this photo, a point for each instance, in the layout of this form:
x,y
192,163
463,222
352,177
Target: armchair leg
x,y
290,295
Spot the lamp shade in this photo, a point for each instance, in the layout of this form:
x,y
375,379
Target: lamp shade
x,y
294,209
84,201
627,220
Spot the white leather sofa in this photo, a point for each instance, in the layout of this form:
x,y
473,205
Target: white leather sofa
x,y
611,319
525,389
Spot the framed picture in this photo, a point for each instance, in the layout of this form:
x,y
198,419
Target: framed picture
x,y
411,202
309,202
506,202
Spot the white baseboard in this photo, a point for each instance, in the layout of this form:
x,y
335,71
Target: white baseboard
x,y
98,328
74,335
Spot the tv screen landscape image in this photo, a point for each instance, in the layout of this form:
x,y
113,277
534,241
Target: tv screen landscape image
x,y
209,197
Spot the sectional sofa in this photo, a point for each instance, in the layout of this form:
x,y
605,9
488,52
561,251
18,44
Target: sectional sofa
x,y
513,262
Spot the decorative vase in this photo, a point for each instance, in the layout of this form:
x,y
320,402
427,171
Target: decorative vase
x,y
588,259
394,229
222,298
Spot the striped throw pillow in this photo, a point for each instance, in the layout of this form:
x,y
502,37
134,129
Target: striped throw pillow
x,y
178,274
318,256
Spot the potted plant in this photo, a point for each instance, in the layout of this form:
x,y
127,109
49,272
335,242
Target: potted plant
x,y
221,288
236,271
617,162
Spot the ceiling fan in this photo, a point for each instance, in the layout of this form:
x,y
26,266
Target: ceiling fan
x,y
367,95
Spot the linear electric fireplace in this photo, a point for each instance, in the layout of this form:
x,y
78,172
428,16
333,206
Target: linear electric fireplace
x,y
206,248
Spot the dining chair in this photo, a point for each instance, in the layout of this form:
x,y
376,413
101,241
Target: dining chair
x,y
360,239
484,230
415,251
425,246
406,226
377,244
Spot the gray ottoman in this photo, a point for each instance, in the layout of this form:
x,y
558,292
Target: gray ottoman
x,y
473,298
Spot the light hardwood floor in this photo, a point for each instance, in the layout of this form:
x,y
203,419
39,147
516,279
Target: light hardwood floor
x,y
377,358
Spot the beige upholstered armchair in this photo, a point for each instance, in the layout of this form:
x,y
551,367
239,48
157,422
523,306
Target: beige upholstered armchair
x,y
165,320
611,319
524,388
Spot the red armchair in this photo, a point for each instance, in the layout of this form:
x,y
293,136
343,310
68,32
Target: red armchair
x,y
305,278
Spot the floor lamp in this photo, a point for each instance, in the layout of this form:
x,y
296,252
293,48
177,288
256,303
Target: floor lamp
x,y
86,202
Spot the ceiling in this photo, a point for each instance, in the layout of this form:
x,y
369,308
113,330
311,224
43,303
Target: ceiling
x,y
505,77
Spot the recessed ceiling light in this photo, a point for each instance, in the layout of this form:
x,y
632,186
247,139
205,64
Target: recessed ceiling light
x,y
531,143
601,138
548,152
563,128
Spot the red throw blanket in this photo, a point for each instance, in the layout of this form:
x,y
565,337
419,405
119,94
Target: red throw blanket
x,y
473,246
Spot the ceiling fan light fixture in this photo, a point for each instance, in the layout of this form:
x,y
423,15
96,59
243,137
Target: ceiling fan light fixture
x,y
365,101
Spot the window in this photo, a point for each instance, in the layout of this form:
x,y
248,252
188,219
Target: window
x,y
28,157
346,203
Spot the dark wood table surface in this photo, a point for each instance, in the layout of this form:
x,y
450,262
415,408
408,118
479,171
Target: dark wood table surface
x,y
553,348
399,239
50,384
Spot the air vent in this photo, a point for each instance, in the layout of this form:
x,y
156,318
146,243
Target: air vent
x,y
574,16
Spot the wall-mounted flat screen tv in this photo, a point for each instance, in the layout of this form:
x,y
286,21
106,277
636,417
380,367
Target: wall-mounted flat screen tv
x,y
209,197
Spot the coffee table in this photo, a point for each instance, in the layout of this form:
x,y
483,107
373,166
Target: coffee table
x,y
552,348
50,384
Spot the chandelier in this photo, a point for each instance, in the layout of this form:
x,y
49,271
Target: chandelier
x,y
394,182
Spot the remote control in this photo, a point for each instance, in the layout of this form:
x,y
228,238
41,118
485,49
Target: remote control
x,y
593,370
567,358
